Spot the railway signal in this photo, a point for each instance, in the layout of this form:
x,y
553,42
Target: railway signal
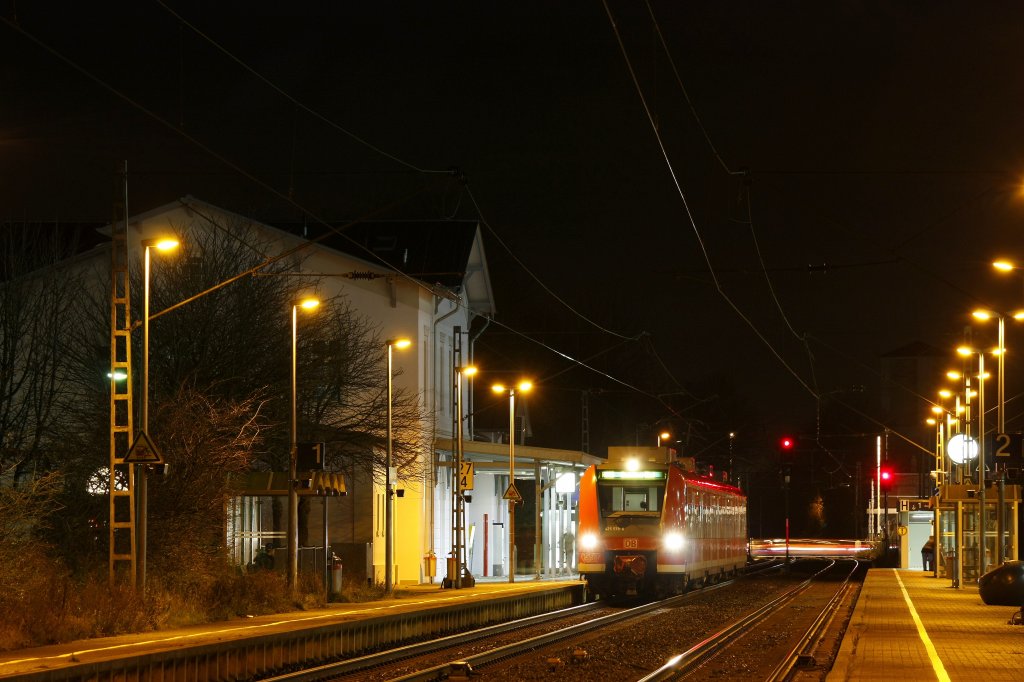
x,y
886,477
787,448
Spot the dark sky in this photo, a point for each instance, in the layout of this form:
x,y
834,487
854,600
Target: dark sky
x,y
854,169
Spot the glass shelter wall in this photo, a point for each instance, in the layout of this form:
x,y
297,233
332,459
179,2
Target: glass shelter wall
x,y
965,535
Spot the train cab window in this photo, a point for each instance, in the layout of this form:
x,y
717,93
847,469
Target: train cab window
x,y
636,499
630,499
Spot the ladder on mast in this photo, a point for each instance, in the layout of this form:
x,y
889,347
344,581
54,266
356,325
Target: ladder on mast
x,y
121,483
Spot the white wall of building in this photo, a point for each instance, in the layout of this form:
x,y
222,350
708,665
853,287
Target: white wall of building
x,y
402,308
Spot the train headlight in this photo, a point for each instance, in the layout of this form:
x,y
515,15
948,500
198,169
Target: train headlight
x,y
588,541
673,542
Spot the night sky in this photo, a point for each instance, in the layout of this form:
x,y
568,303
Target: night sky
x,y
834,188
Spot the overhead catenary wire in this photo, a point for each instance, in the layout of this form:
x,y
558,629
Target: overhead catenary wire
x,y
376,149
689,213
536,279
312,215
312,112
686,95
803,338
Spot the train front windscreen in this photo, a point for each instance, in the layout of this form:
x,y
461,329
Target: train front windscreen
x,y
630,498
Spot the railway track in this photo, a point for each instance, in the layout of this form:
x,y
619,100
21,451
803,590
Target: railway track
x,y
772,642
476,650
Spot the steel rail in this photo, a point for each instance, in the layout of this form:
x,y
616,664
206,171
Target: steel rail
x,y
696,655
465,665
350,666
802,652
353,665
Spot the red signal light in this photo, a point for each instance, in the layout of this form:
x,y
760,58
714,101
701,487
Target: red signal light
x,y
786,443
886,477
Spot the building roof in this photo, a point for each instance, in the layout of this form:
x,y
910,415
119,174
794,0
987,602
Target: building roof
x,y
448,253
495,455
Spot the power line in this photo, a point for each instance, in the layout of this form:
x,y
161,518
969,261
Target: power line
x,y
316,218
291,99
686,206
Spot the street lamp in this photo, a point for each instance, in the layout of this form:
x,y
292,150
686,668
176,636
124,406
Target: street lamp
x,y
664,435
1006,266
511,494
389,515
1000,351
164,244
293,494
982,511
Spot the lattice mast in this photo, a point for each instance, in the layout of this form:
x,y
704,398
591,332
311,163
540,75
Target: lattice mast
x,y
121,485
458,500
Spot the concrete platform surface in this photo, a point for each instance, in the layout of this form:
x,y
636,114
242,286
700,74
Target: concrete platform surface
x,y
910,626
409,598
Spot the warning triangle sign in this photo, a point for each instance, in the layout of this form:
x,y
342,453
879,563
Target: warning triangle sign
x,y
143,451
512,494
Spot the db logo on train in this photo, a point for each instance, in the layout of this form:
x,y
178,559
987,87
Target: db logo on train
x,y
630,543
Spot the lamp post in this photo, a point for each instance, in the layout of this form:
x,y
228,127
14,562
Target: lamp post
x,y
663,436
511,494
982,511
165,244
389,513
293,494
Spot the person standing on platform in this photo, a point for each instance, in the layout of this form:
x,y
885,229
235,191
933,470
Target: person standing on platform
x,y
928,554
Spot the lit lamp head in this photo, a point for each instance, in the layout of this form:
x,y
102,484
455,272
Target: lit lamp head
x,y
309,303
469,371
983,315
524,386
400,344
162,243
1003,265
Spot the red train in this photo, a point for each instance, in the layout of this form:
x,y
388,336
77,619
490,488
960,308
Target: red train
x,y
650,525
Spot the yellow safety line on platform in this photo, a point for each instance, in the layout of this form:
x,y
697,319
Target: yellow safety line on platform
x,y
933,655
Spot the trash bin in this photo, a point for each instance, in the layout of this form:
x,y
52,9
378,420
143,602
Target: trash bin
x,y
335,573
430,566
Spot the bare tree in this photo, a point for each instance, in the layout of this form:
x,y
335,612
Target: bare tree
x,y
209,439
37,296
220,374
235,343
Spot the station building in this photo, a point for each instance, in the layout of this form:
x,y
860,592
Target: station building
x,y
428,281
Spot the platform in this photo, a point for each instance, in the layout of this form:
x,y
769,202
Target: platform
x,y
908,625
97,656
